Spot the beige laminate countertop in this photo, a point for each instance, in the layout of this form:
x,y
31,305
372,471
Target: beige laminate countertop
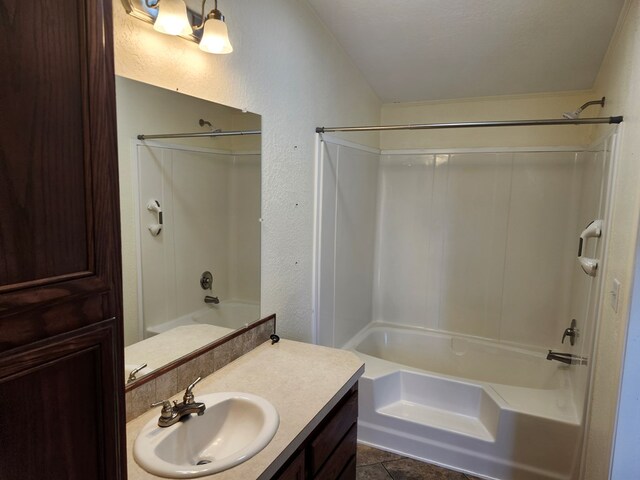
x,y
303,381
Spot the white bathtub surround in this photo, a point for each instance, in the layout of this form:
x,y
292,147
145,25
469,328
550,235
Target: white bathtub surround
x,y
468,404
471,242
211,207
475,277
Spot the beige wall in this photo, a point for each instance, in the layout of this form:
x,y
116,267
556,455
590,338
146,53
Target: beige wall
x,y
511,107
288,68
619,80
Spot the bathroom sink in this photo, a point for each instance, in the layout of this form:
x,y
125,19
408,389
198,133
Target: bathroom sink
x,y
234,427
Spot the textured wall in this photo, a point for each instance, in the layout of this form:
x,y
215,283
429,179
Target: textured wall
x,y
289,69
619,80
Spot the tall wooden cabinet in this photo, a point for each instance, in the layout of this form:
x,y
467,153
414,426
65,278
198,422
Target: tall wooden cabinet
x,y
61,385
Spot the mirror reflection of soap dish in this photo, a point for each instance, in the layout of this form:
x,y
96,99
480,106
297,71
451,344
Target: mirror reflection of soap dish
x,y
154,206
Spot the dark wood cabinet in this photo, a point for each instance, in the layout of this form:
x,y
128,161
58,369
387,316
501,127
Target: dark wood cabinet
x,y
295,468
329,453
61,360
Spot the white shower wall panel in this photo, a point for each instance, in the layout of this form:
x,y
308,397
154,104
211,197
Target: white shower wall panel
x,y
201,218
347,235
405,211
477,243
541,248
355,241
585,290
211,211
327,261
474,233
157,269
244,227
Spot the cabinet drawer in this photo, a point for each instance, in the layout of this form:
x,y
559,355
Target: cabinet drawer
x,y
339,461
326,440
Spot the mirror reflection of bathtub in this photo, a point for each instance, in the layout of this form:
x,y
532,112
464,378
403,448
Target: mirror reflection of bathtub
x,y
189,206
176,338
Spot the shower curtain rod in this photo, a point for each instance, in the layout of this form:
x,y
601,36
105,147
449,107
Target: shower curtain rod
x,y
500,123
231,133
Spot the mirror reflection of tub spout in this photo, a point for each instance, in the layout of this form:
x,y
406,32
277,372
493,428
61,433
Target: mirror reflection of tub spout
x,y
568,358
211,300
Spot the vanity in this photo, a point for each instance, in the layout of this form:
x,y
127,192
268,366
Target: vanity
x,y
314,391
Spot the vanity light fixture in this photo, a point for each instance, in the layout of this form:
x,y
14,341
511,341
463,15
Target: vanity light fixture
x,y
172,17
215,36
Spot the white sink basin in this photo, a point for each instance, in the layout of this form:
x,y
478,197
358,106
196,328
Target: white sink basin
x,y
234,427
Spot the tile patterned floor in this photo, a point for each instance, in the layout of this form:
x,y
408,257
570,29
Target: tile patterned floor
x,y
374,464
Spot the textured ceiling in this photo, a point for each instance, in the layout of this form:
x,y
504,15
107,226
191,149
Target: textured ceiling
x,y
412,50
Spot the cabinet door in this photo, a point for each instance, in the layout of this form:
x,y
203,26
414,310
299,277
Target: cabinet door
x,y
295,470
57,412
61,391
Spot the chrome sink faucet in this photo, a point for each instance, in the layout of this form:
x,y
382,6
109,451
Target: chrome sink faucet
x,y
171,414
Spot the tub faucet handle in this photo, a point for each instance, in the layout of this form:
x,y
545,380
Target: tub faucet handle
x,y
571,332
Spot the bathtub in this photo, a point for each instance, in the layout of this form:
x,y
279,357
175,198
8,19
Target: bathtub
x,y
171,340
472,405
226,315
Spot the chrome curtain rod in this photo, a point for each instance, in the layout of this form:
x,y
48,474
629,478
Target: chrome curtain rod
x,y
233,133
501,123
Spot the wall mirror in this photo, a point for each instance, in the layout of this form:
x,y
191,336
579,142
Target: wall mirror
x,y
190,215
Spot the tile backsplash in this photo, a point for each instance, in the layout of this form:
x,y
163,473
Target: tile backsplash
x,y
166,385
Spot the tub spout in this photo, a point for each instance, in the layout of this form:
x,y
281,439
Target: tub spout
x,y
211,300
568,358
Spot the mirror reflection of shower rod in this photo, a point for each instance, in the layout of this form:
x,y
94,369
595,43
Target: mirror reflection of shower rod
x,y
230,133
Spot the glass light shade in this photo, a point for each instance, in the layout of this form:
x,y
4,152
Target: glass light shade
x,y
215,37
172,18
